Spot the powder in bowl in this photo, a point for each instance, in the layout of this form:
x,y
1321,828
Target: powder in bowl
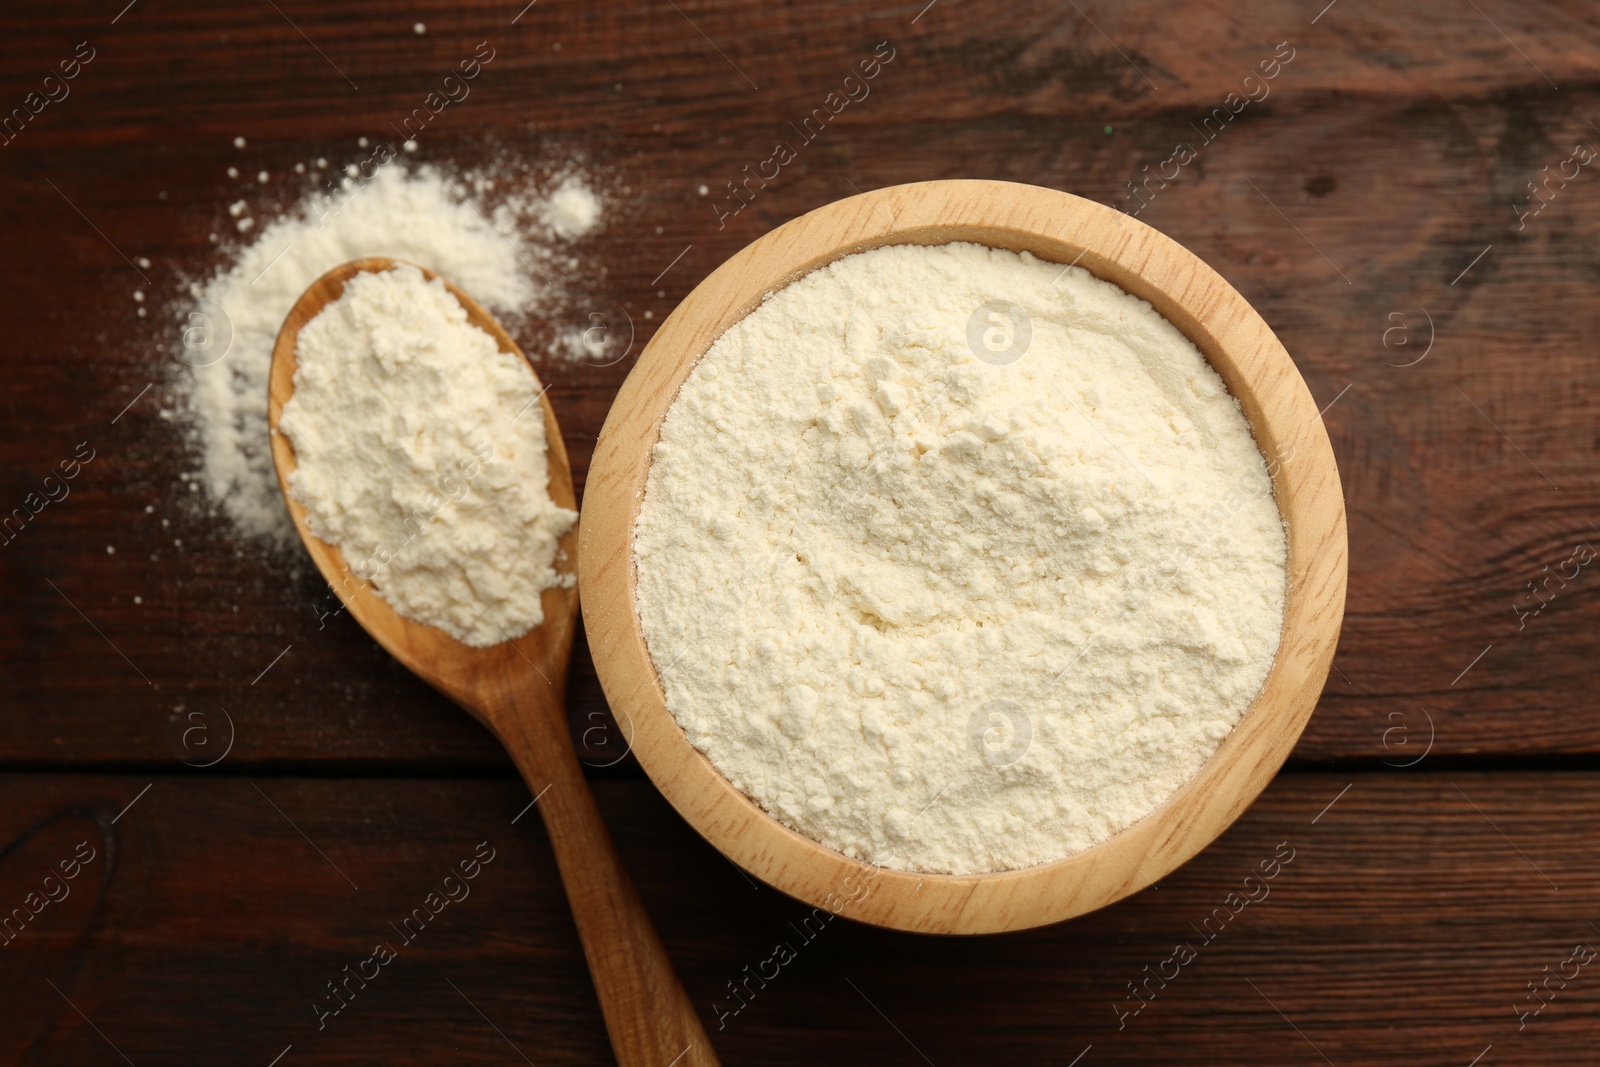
x,y
956,561
420,452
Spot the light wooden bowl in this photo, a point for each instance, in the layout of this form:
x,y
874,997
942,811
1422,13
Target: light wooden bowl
x,y
1061,228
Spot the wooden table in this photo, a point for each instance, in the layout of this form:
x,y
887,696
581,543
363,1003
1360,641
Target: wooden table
x,y
1439,810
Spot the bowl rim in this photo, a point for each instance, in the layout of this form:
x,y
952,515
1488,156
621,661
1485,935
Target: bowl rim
x,y
1060,228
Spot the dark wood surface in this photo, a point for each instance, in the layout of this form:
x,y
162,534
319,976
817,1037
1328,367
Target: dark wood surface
x,y
1403,928
1374,189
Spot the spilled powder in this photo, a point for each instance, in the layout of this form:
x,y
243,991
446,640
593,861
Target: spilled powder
x,y
506,257
574,209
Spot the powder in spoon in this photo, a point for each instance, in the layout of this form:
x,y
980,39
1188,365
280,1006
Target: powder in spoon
x,y
957,561
420,452
509,256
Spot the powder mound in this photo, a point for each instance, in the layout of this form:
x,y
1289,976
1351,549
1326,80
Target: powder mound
x,y
957,561
420,452
419,215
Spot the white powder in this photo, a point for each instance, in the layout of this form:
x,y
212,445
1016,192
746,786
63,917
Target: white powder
x,y
574,210
953,614
419,215
420,453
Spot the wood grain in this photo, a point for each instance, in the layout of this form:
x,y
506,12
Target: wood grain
x,y
1058,229
1403,929
1395,141
1394,145
517,689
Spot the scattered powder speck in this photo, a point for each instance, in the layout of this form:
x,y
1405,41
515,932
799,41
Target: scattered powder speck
x,y
574,209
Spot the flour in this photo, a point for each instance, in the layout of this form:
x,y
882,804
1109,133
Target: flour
x,y
574,210
952,614
420,452
420,215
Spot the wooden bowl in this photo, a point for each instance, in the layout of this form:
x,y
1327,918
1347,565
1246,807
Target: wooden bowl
x,y
1064,229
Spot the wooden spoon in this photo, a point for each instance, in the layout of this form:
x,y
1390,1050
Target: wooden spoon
x,y
517,689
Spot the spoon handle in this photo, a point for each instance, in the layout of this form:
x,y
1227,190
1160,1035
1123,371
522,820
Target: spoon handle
x,y
647,1012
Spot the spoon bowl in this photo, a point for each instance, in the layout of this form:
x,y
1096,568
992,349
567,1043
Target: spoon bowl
x,y
517,689
457,670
